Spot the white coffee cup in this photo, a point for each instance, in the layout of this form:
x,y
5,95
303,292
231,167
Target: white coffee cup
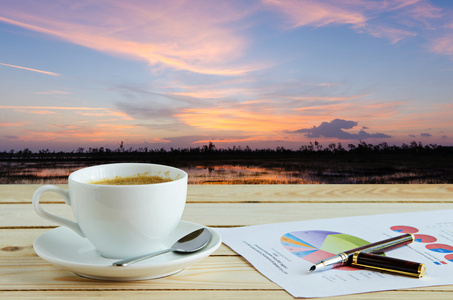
x,y
121,220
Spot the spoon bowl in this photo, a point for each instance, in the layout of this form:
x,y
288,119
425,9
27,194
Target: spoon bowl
x,y
192,242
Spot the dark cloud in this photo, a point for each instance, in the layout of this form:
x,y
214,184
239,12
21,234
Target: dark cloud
x,y
335,129
146,110
143,104
426,134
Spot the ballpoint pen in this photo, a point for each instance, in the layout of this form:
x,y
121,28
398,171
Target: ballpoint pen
x,y
345,257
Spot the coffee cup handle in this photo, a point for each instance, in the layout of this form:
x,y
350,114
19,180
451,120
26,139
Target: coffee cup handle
x,y
46,215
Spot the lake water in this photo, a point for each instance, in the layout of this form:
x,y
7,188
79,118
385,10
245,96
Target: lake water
x,y
239,172
26,173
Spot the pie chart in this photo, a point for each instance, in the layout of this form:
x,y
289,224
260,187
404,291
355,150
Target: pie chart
x,y
423,238
315,245
441,248
404,229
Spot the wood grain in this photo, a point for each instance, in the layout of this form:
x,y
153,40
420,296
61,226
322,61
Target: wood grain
x,y
19,243
401,193
212,273
219,294
234,214
223,275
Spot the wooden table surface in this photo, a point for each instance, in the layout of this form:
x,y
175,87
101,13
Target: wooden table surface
x,y
224,274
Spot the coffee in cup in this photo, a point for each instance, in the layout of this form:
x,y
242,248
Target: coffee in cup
x,y
132,180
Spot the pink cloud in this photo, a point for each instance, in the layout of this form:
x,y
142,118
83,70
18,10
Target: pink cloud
x,y
203,36
162,141
316,13
13,124
84,111
177,35
37,111
363,16
420,11
393,34
74,134
443,45
52,107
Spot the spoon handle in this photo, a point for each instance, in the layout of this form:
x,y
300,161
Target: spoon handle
x,y
128,261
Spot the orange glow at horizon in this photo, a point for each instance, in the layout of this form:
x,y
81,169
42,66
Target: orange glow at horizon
x,y
10,124
53,107
99,132
223,141
242,120
97,124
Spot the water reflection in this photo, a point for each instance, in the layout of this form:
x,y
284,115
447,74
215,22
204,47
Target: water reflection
x,y
246,172
27,173
39,173
238,174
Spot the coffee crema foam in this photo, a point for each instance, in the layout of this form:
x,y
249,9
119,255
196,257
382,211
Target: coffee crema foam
x,y
132,180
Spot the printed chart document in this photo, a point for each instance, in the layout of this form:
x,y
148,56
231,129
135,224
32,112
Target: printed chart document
x,y
284,252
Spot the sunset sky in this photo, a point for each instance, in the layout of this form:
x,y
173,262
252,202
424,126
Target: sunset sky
x,y
259,73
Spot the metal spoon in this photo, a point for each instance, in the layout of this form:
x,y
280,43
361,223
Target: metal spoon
x,y
191,242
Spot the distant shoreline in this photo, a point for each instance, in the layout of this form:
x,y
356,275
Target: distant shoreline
x,y
363,163
315,149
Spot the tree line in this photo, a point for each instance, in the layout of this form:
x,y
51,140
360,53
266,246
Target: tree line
x,y
312,149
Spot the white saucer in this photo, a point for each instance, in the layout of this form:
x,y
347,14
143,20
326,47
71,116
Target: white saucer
x,y
64,248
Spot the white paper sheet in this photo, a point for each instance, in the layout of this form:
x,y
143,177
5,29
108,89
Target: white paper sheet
x,y
284,252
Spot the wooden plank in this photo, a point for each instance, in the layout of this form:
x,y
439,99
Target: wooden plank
x,y
212,273
219,294
228,214
19,243
322,193
22,193
220,272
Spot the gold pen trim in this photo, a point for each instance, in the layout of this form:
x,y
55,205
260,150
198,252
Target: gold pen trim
x,y
420,272
413,237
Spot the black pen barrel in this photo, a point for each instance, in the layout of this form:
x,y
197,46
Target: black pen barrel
x,y
388,264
